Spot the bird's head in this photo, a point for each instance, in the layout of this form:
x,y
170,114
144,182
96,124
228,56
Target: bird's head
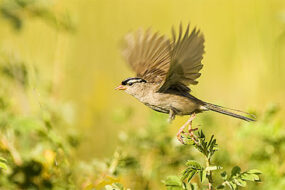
x,y
132,86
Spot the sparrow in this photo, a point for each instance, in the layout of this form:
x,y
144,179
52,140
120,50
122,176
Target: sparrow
x,y
164,68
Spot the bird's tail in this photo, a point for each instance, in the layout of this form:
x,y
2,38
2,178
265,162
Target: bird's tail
x,y
226,111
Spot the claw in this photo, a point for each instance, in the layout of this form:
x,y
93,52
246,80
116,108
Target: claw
x,y
179,136
191,130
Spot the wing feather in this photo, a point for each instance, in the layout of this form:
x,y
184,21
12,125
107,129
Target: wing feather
x,y
148,55
186,55
175,65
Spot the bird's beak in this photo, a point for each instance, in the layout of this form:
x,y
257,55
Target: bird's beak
x,y
121,87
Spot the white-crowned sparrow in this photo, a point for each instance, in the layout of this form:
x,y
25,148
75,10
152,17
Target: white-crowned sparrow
x,y
164,70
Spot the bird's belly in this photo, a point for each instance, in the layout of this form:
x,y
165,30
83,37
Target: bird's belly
x,y
164,103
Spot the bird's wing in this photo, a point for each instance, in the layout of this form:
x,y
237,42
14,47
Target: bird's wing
x,y
186,55
148,55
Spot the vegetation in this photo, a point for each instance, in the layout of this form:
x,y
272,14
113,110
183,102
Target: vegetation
x,y
208,149
143,161
43,144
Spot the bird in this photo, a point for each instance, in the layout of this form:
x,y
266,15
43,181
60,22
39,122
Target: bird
x,y
165,67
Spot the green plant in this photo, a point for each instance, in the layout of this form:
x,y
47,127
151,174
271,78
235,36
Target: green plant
x,y
33,151
3,163
208,148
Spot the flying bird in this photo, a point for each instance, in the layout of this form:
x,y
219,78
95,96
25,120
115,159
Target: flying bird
x,y
164,69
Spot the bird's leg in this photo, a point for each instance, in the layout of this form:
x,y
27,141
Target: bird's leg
x,y
179,137
181,130
190,129
171,115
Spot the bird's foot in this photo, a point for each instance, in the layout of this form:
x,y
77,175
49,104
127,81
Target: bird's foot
x,y
190,130
192,135
179,134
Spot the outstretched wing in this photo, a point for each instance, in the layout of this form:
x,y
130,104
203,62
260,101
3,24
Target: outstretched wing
x,y
148,55
186,55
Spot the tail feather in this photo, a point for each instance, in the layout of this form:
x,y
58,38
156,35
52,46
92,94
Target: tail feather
x,y
223,110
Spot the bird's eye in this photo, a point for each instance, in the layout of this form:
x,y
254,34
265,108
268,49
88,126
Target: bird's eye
x,y
130,84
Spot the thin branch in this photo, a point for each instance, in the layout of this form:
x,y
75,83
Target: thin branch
x,y
209,175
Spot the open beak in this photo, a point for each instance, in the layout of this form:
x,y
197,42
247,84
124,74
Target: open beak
x,y
121,87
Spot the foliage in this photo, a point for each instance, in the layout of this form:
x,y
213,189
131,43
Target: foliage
x,y
193,167
3,163
33,153
129,162
115,186
147,155
38,144
239,178
17,11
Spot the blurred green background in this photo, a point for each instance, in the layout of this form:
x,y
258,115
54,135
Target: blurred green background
x,y
71,52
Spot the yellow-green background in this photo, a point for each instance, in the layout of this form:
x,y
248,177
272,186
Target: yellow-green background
x,y
243,64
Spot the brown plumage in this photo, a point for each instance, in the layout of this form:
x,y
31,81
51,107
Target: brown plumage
x,y
164,69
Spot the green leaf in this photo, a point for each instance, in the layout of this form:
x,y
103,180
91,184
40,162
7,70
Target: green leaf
x,y
193,164
240,182
3,163
186,173
191,175
193,168
224,175
249,177
254,171
232,186
210,141
239,179
193,186
235,171
173,181
202,175
3,160
201,134
3,166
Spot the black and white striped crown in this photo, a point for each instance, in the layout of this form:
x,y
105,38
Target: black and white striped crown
x,y
131,81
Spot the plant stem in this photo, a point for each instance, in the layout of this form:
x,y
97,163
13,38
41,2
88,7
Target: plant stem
x,y
209,175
